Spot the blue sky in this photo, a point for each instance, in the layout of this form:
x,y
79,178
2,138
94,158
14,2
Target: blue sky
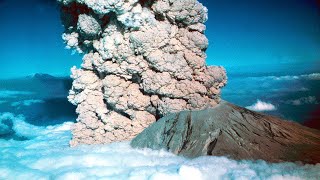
x,y
31,41
240,32
247,32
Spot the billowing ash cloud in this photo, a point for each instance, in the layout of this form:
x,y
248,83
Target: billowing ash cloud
x,y
143,59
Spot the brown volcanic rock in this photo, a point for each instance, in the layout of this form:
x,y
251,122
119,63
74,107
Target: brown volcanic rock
x,y
236,132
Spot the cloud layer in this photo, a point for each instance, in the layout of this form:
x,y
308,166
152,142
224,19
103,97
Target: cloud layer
x,y
45,154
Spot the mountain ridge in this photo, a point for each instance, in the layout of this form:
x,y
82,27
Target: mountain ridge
x,y
233,131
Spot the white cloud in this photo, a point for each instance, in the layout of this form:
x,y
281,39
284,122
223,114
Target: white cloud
x,y
303,100
13,94
262,106
46,155
313,76
285,77
303,89
27,102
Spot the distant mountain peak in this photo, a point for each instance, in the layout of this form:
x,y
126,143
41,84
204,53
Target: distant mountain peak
x,y
41,76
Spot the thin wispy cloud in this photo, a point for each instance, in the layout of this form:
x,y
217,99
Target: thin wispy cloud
x,y
303,101
313,76
13,94
27,102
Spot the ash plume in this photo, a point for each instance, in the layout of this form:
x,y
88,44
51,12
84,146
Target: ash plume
x,y
143,59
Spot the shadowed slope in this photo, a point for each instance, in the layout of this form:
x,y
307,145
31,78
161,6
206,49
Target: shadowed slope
x,y
229,130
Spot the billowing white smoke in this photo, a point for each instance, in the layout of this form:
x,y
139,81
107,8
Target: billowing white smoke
x,y
45,154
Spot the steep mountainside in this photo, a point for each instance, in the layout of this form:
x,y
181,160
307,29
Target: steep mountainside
x,y
229,130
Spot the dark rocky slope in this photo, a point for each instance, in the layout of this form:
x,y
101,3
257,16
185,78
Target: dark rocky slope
x,y
236,132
